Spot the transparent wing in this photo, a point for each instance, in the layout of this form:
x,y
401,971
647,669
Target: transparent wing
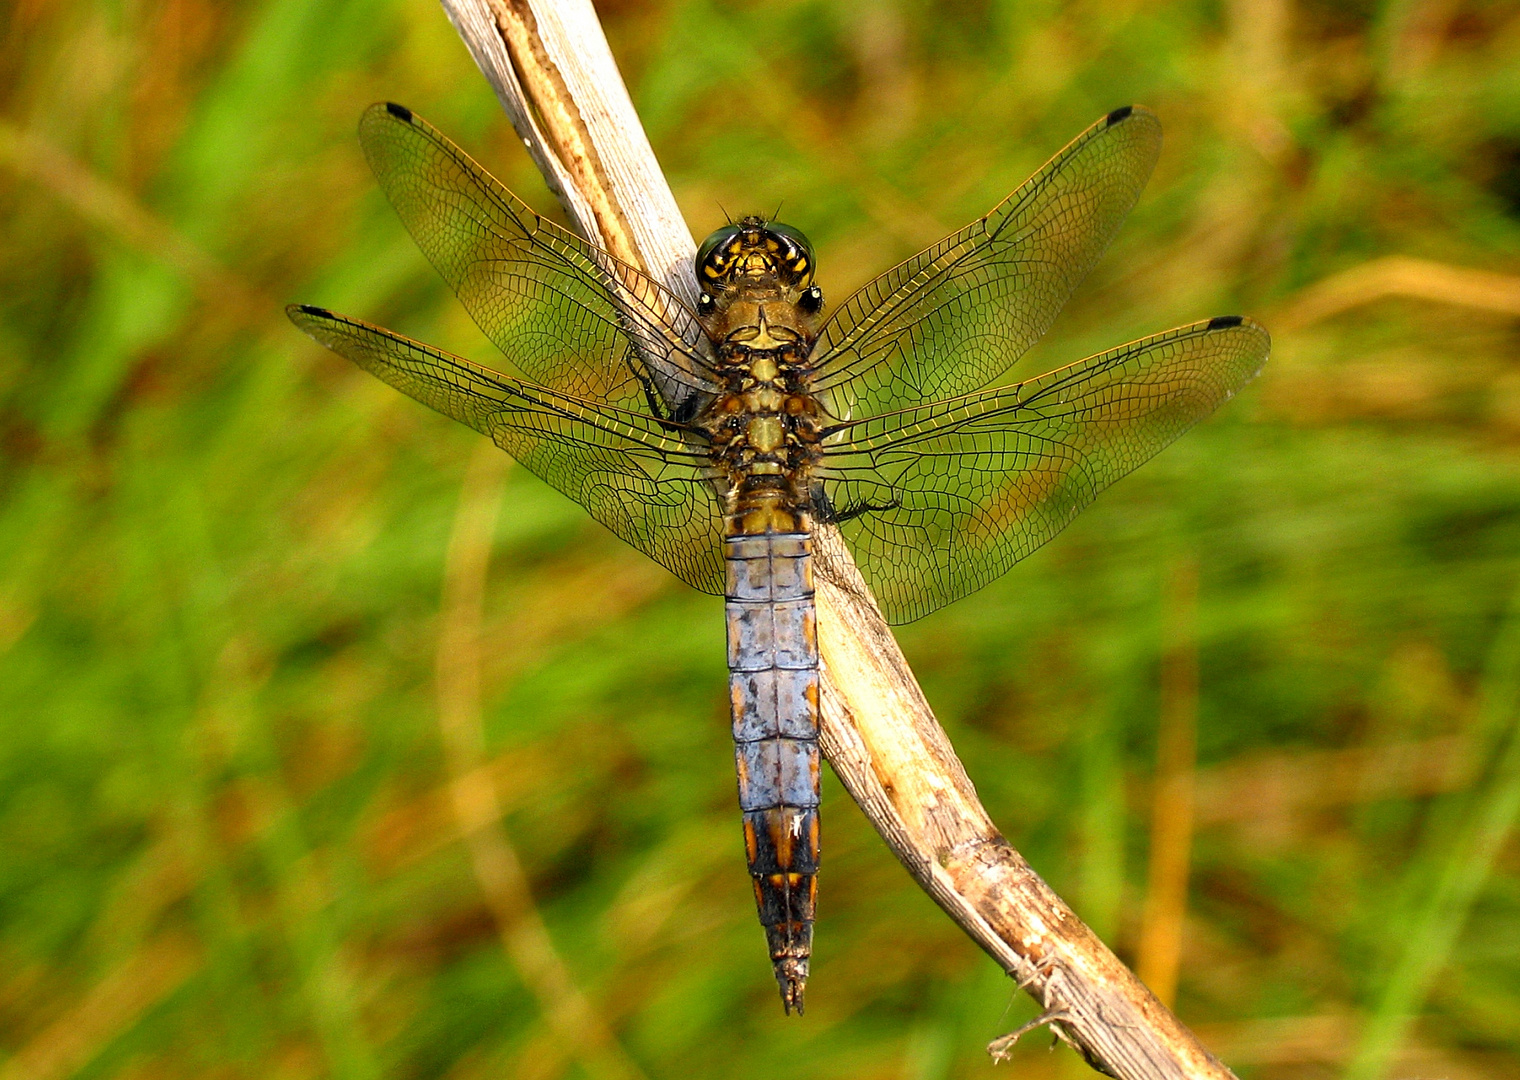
x,y
938,500
957,315
636,474
539,292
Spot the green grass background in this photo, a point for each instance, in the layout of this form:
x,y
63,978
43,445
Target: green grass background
x,y
226,847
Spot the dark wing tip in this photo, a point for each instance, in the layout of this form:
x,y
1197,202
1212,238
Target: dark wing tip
x,y
400,112
1121,113
310,309
1224,322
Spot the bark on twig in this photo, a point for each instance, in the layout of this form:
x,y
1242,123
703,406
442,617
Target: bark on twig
x,y
550,65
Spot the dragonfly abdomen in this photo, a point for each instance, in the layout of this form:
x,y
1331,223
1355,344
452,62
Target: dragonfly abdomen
x,y
773,692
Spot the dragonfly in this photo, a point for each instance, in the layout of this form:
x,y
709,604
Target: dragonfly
x,y
717,437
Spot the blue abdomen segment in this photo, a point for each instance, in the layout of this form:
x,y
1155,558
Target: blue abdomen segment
x,y
773,693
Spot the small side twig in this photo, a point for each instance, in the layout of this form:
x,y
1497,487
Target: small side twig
x,y
1000,1048
550,65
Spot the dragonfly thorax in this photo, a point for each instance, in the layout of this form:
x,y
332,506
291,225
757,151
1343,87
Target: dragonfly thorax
x,y
764,433
764,426
761,323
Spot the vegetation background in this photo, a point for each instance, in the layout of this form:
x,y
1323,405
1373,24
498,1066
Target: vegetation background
x,y
251,826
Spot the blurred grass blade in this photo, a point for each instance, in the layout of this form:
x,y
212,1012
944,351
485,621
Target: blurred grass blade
x,y
1431,936
1399,275
113,209
498,869
112,1006
1102,825
1166,897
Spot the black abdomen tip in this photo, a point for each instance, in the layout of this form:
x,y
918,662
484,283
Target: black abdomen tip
x,y
400,112
1224,322
791,977
1119,114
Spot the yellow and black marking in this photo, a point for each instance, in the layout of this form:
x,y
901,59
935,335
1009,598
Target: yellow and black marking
x,y
761,308
755,251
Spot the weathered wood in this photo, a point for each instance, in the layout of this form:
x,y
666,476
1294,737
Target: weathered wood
x,y
550,65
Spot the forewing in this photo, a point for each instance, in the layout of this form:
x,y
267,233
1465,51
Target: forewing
x,y
937,501
957,315
539,292
636,474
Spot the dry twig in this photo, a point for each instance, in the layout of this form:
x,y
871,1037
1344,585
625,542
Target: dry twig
x,y
555,76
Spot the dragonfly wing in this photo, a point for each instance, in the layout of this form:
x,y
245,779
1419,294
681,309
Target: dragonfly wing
x,y
539,292
641,476
960,313
939,500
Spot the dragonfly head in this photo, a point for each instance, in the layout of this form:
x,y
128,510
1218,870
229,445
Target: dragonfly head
x,y
756,254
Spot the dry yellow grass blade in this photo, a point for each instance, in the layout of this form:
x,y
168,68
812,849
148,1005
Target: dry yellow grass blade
x,y
111,208
108,1009
582,1031
1401,276
1166,897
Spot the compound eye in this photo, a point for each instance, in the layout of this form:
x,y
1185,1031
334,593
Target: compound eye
x,y
714,255
799,256
811,300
